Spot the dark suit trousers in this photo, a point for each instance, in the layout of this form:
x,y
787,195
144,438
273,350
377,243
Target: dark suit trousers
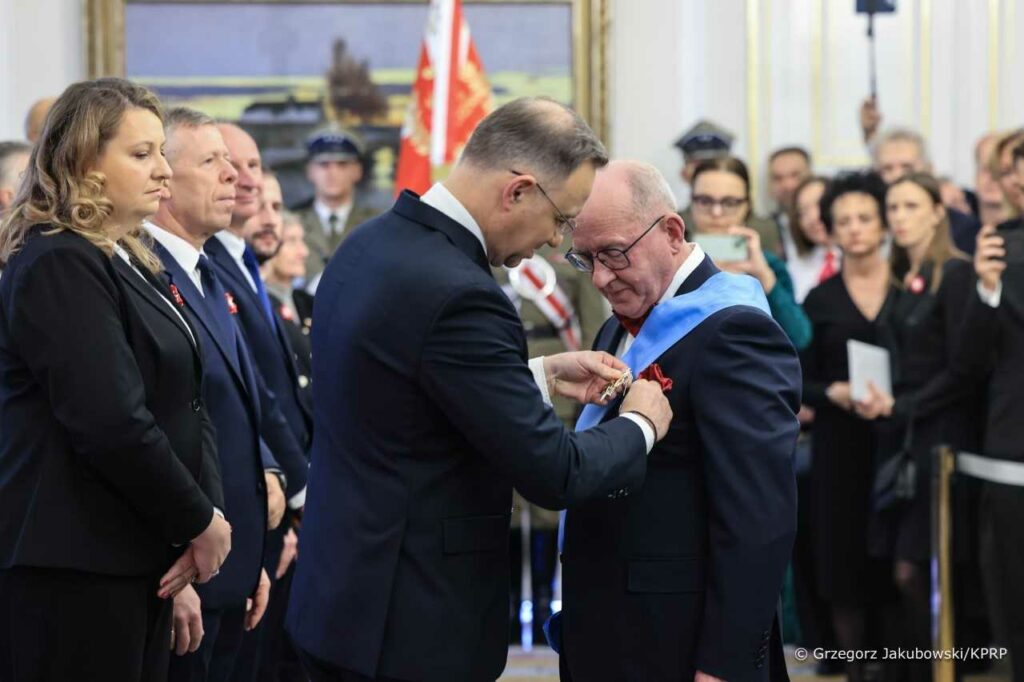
x,y
320,671
1002,560
58,624
216,656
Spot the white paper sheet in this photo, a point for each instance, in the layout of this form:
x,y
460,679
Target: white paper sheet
x,y
868,363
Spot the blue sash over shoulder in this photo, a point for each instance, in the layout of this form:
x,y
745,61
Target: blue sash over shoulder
x,y
675,318
667,324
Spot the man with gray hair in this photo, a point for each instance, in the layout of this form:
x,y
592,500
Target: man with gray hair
x,y
13,162
680,580
428,413
899,151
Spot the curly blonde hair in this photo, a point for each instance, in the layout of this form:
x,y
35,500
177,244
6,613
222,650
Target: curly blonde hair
x,y
58,189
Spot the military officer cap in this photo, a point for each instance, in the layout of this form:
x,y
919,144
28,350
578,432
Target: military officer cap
x,y
333,144
705,140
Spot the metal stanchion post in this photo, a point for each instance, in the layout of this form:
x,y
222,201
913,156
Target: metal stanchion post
x,y
944,464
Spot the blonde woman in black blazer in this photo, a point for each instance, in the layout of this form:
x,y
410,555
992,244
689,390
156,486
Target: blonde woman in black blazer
x,y
108,478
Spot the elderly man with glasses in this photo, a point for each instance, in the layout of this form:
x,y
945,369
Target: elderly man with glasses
x,y
680,579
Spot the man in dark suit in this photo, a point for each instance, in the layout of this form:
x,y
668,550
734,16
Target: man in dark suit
x,y
680,580
202,196
334,167
256,235
992,348
426,413
238,268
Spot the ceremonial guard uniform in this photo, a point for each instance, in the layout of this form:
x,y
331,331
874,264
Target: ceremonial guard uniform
x,y
326,228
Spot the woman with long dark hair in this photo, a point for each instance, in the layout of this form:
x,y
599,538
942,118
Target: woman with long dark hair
x,y
931,404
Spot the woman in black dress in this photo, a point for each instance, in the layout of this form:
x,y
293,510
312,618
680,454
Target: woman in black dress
x,y
844,307
932,405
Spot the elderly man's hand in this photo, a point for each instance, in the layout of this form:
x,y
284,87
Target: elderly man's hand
x,y
647,399
582,375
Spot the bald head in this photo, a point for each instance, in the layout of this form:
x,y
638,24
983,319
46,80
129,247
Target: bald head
x,y
631,209
37,117
245,157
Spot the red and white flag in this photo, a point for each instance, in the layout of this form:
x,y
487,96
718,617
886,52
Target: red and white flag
x,y
450,96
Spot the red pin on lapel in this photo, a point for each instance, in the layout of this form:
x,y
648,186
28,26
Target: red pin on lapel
x,y
176,295
232,308
917,285
654,373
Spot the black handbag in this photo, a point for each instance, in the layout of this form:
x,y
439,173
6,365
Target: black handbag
x,y
896,478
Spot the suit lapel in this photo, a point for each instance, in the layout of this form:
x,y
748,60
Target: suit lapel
x,y
199,307
410,207
151,293
234,281
316,240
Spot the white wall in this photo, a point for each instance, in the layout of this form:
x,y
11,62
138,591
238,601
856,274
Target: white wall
x,y
40,54
946,67
675,61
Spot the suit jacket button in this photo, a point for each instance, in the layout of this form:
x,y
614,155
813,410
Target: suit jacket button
x,y
196,404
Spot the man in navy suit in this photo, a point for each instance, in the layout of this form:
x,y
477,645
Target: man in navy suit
x,y
202,192
238,267
426,413
680,580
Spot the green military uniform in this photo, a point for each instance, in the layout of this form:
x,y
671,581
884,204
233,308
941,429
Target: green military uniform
x,y
320,242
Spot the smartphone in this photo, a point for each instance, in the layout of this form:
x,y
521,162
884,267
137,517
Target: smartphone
x,y
1013,243
723,248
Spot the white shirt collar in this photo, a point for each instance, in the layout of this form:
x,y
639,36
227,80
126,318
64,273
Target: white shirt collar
x,y
186,255
324,213
691,263
444,201
233,243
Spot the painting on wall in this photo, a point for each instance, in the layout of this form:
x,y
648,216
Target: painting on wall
x,y
282,69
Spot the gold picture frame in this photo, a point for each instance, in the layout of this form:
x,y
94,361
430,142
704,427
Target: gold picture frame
x,y
104,40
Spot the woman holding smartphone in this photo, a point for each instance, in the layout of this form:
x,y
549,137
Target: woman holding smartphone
x,y
721,206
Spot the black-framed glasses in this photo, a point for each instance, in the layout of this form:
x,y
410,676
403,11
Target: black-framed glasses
x,y
566,224
727,204
612,258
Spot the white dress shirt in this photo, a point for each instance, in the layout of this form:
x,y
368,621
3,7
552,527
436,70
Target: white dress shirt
x,y
444,201
235,246
695,258
183,253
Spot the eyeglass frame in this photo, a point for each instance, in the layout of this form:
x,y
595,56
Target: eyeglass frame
x,y
563,220
712,202
575,258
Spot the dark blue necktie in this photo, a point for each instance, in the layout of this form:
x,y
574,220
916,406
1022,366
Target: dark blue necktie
x,y
216,300
249,258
